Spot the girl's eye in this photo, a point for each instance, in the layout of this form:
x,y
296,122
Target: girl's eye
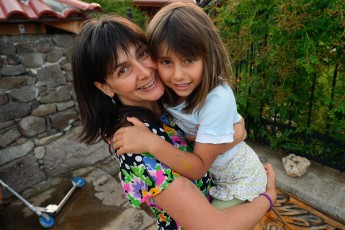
x,y
165,61
190,60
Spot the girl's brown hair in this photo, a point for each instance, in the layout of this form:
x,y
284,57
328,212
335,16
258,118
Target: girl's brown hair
x,y
188,31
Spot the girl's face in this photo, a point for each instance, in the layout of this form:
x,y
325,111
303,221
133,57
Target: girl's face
x,y
135,81
181,74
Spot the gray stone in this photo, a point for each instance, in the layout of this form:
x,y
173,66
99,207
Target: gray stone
x,y
12,82
13,60
295,166
6,47
65,105
25,47
9,137
48,139
31,126
11,153
51,75
59,94
67,67
14,110
21,174
3,99
25,93
21,140
44,110
68,53
43,46
12,70
61,120
31,81
63,40
32,60
54,56
39,151
6,124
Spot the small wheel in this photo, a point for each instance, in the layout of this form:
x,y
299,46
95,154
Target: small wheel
x,y
79,181
47,221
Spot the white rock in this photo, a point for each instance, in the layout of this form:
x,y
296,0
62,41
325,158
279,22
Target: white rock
x,y
295,166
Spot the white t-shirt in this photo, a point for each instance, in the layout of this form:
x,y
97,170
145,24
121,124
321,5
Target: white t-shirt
x,y
215,120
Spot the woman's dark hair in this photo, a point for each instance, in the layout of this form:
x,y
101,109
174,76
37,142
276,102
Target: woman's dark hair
x,y
94,57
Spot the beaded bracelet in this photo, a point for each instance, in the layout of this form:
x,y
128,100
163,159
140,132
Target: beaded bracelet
x,y
269,199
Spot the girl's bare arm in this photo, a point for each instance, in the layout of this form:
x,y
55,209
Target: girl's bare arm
x,y
139,139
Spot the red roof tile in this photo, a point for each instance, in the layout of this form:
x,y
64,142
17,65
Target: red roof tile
x,y
157,2
44,10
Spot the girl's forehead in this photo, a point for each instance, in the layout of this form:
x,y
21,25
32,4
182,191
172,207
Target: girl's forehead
x,y
166,51
163,49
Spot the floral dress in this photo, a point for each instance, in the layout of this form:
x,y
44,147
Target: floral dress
x,y
142,176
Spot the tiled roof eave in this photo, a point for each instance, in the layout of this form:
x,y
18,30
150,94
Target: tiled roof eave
x,y
38,10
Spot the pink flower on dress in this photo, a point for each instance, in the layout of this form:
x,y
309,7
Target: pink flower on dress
x,y
126,187
160,177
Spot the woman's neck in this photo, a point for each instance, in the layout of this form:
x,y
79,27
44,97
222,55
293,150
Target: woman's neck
x,y
155,107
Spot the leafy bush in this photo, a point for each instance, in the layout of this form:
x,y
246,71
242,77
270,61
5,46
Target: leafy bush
x,y
289,62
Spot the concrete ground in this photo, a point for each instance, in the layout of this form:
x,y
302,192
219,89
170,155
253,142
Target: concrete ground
x,y
321,187
319,195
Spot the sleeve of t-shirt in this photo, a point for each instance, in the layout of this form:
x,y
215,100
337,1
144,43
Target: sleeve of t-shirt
x,y
142,176
217,117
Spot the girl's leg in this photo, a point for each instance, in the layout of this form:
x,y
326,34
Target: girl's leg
x,y
221,204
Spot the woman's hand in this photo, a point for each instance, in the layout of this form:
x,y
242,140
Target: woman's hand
x,y
132,139
271,182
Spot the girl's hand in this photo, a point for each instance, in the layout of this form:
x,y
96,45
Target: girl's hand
x,y
132,139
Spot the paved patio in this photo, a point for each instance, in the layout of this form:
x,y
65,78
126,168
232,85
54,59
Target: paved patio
x,y
100,204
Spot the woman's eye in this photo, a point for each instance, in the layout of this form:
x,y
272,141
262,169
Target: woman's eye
x,y
122,71
143,54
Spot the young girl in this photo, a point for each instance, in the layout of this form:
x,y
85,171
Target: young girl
x,y
194,65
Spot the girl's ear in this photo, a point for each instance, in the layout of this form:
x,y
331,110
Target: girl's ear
x,y
104,88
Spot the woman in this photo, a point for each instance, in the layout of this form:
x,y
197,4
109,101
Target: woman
x,y
114,77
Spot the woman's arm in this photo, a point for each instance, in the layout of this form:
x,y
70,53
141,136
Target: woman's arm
x,y
139,139
184,202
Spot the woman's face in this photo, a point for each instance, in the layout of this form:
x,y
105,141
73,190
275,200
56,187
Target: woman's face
x,y
135,80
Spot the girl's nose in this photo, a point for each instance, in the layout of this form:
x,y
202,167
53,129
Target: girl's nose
x,y
178,73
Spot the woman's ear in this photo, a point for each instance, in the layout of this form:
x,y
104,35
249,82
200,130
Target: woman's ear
x,y
104,88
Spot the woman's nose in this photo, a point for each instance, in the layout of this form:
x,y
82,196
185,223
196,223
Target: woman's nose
x,y
143,70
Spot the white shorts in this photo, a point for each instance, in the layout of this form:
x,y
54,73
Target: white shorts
x,y
242,177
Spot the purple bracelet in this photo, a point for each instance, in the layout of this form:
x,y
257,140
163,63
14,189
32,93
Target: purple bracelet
x,y
269,199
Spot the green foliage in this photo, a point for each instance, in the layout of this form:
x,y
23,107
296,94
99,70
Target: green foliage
x,y
120,7
289,59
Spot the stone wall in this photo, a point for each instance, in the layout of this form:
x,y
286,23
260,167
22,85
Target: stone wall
x,y
38,114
